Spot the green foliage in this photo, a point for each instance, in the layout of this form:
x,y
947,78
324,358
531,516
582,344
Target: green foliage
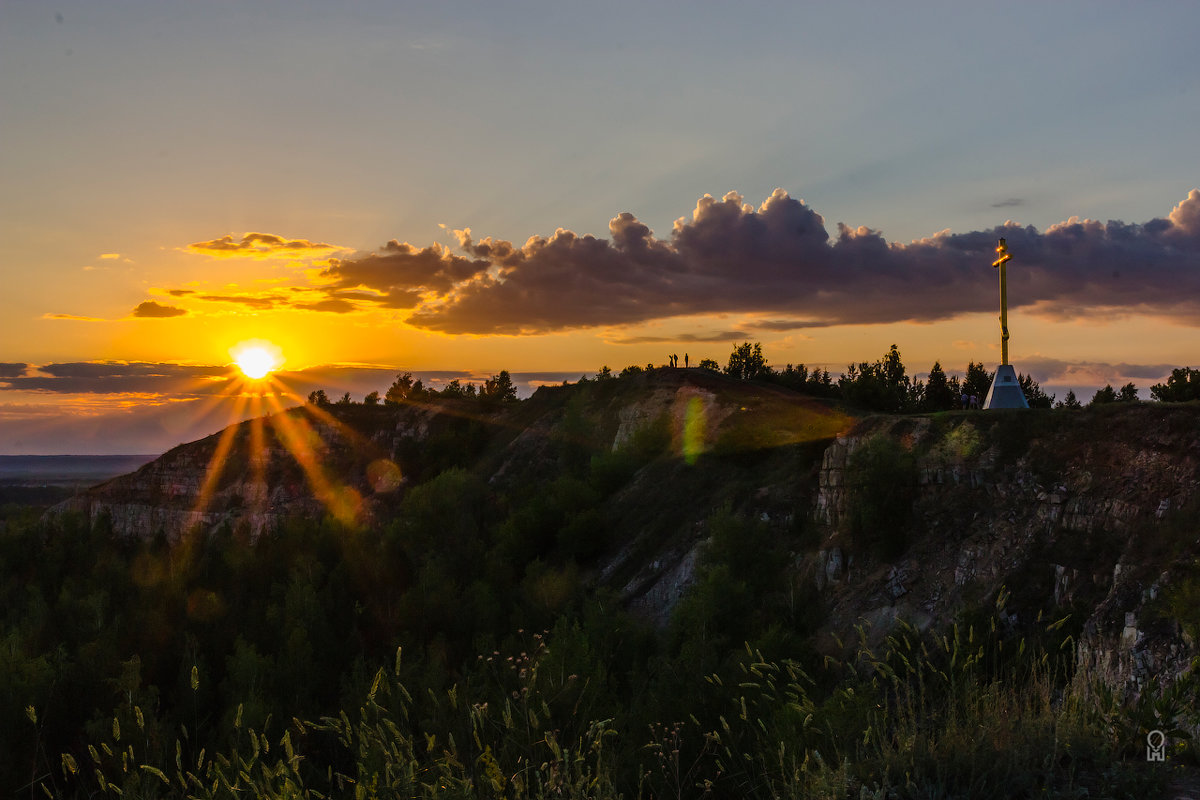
x,y
882,386
1034,394
499,388
941,394
746,362
1070,402
978,380
1182,385
881,482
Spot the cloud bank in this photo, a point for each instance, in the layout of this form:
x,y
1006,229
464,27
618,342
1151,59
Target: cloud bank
x,y
778,258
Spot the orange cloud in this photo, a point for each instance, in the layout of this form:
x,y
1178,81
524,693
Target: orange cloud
x,y
151,309
262,245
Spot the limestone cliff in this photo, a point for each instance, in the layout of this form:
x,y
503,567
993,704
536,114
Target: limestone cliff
x,y
1088,513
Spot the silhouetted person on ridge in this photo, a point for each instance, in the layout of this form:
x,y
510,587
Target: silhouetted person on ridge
x,y
685,360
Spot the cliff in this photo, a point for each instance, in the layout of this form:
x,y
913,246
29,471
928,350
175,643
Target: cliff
x,y
922,518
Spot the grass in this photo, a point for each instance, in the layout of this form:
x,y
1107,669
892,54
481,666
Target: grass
x,y
966,713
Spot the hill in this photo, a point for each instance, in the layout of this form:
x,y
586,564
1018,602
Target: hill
x,y
907,517
670,517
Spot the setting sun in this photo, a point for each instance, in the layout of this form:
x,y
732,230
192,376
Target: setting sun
x,y
256,359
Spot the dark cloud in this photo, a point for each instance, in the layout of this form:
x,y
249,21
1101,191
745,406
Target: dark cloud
x,y
11,370
253,301
333,305
260,245
787,324
399,269
719,336
119,377
156,310
779,257
1011,202
181,292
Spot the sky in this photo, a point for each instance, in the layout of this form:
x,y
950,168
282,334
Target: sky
x,y
453,189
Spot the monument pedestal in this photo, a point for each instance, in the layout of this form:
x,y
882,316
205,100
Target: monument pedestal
x,y
1006,390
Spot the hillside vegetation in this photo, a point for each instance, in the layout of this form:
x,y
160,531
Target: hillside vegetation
x,y
672,583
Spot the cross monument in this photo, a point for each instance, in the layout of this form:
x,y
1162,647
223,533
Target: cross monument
x,y
1006,389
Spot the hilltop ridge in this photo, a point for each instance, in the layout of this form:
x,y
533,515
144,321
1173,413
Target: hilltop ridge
x,y
887,518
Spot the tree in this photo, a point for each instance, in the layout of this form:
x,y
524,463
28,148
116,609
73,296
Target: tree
x,y
1070,401
1128,393
1182,385
746,362
317,397
1033,393
938,394
632,369
1104,396
400,390
345,400
882,386
499,388
372,399
709,364
455,388
978,381
604,374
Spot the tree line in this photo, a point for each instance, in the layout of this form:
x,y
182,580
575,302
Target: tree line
x,y
883,385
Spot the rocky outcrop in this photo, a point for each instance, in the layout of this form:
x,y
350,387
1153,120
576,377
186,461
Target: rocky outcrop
x,y
1075,512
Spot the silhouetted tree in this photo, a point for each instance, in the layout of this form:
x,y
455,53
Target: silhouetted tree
x,y
632,369
456,388
1033,393
604,374
400,389
882,386
977,381
1069,401
344,400
1103,396
746,362
1182,385
709,364
1128,393
938,394
499,388
317,397
372,399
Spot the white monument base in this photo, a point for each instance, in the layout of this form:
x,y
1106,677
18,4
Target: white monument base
x,y
1006,390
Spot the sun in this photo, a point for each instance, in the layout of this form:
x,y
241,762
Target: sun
x,y
256,358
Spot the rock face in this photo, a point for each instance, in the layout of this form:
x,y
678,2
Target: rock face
x,y
1087,513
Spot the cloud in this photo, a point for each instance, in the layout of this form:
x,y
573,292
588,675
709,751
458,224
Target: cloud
x,y
333,305
262,245
75,317
779,257
152,309
399,272
787,324
1011,202
253,301
11,370
122,377
718,336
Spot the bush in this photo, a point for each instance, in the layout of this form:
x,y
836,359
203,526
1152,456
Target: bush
x,y
881,480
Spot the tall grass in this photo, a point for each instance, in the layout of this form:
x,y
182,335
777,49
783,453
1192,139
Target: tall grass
x,y
971,712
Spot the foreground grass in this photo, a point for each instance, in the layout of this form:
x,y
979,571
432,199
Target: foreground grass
x,y
966,714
